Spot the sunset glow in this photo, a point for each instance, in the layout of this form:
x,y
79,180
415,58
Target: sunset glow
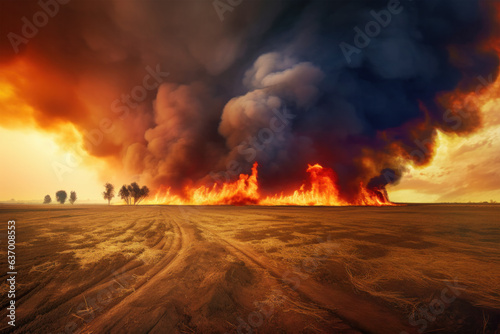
x,y
146,122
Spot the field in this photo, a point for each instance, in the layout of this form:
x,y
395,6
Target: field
x,y
175,269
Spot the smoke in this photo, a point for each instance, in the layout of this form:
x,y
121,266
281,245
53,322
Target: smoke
x,y
284,83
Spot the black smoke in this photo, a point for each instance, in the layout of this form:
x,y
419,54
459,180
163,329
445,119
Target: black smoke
x,y
363,82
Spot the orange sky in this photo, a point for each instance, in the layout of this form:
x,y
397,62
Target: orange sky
x,y
62,88
41,161
463,169
27,173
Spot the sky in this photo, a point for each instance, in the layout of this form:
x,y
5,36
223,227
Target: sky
x,y
183,94
463,169
30,170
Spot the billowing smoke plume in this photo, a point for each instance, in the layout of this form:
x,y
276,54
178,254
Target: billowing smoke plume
x,y
196,92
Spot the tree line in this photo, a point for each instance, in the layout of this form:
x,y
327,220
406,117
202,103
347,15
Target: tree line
x,y
132,194
61,197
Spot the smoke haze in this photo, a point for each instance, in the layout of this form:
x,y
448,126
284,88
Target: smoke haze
x,y
272,82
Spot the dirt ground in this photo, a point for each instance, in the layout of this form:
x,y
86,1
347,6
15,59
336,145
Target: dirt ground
x,y
220,269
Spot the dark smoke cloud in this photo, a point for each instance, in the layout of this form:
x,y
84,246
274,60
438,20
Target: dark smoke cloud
x,y
360,116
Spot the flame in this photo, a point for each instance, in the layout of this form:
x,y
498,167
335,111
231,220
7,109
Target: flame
x,y
163,196
244,191
322,190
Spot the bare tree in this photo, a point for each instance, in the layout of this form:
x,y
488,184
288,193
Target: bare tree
x,y
144,192
133,192
61,196
124,194
138,193
72,197
47,199
109,192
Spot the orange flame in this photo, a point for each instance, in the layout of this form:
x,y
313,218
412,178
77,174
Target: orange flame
x,y
323,190
243,191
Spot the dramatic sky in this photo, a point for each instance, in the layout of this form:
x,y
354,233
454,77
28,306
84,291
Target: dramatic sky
x,y
187,93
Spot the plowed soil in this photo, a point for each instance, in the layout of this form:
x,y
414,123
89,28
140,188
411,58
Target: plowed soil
x,y
181,269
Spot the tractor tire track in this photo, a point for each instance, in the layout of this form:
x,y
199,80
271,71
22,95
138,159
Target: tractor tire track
x,y
355,310
100,281
147,286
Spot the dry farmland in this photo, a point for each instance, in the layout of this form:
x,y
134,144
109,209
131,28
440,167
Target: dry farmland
x,y
180,269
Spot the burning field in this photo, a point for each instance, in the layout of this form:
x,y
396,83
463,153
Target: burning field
x,y
335,101
256,269
321,189
269,153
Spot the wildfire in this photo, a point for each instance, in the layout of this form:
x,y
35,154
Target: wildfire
x,y
321,189
243,191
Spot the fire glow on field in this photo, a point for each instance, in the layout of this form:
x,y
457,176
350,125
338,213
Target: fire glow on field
x,y
320,190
